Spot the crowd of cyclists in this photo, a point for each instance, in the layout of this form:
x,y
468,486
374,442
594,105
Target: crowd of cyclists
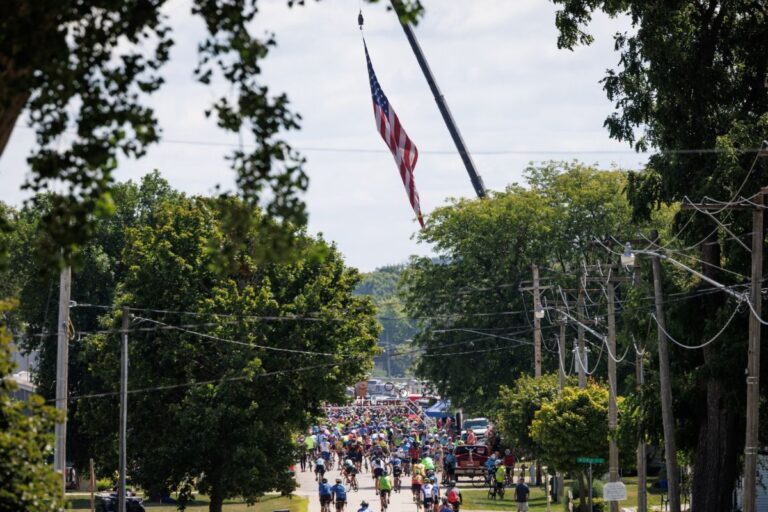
x,y
393,444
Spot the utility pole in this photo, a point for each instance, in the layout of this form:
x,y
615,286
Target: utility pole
x,y
667,414
613,454
536,322
642,472
751,440
62,371
561,353
123,408
581,349
466,158
753,363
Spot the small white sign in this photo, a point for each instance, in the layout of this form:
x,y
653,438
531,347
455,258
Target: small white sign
x,y
614,491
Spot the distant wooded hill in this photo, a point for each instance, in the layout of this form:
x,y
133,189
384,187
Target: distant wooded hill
x,y
381,284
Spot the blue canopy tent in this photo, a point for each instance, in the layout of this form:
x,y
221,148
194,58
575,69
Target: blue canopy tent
x,y
440,409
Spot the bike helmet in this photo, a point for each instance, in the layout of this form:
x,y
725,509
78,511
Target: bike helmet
x,y
498,463
384,473
433,479
364,503
444,500
338,480
452,483
507,451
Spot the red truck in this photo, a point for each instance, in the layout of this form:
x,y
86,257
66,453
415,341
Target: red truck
x,y
470,462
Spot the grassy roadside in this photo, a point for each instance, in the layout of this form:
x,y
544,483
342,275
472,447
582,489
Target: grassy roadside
x,y
477,499
82,503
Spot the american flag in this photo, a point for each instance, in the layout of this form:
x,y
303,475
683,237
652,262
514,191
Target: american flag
x,y
401,146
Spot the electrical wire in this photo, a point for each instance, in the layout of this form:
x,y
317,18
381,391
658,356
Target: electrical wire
x,y
696,347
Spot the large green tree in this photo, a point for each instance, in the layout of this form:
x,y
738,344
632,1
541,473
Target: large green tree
x,y
476,324
231,363
691,84
573,425
29,482
30,278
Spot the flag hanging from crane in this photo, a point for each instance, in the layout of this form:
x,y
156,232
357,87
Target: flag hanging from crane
x,y
401,146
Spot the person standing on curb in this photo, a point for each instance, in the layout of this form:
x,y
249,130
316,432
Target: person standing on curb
x,y
521,496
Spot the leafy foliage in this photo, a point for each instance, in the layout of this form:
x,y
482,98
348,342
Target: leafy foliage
x,y
572,425
85,69
397,328
690,83
229,405
476,326
518,405
26,443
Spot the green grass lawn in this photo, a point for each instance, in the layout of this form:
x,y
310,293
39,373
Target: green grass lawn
x,y
82,503
477,499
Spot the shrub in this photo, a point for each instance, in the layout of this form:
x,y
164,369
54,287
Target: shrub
x,y
104,484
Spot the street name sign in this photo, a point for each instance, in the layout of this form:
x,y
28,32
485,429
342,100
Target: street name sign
x,y
614,491
590,460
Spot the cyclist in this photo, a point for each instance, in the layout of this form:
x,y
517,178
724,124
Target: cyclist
x,y
378,469
324,490
363,507
397,471
444,506
319,468
350,473
427,498
435,492
417,480
449,465
501,476
339,493
385,488
454,496
509,463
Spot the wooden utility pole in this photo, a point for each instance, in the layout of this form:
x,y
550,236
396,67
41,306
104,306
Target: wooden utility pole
x,y
667,415
62,371
581,348
642,471
613,448
753,363
561,353
92,478
123,409
536,322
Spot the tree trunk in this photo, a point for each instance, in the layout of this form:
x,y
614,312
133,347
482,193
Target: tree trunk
x,y
716,457
8,115
582,493
217,500
716,464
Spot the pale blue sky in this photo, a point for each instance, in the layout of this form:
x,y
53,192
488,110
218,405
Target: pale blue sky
x,y
515,96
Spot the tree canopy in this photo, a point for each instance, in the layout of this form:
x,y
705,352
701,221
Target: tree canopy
x,y
691,85
475,323
26,442
87,69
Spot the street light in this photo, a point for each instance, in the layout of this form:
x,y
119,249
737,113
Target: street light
x,y
628,257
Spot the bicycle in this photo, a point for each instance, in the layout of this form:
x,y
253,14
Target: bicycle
x,y
384,495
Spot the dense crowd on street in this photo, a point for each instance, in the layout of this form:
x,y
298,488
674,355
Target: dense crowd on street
x,y
398,448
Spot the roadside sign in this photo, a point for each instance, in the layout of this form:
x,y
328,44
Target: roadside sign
x,y
590,460
614,491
